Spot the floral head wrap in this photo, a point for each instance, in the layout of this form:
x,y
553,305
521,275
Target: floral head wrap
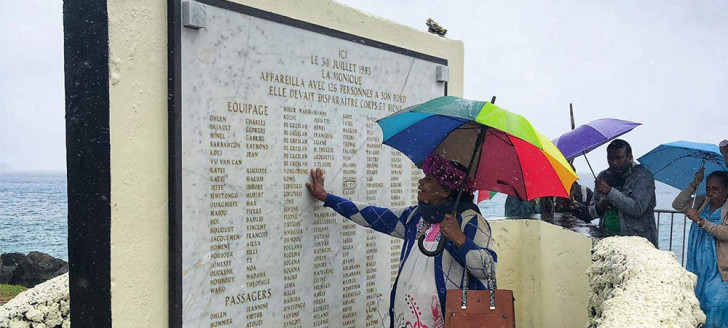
x,y
446,172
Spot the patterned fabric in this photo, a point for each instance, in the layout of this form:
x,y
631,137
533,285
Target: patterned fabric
x,y
417,304
711,290
476,253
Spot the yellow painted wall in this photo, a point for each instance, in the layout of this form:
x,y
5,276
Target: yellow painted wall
x,y
545,266
138,133
138,124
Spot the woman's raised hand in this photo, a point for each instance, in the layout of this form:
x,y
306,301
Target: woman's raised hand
x,y
316,186
698,177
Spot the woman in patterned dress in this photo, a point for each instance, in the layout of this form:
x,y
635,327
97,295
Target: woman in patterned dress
x,y
418,296
708,244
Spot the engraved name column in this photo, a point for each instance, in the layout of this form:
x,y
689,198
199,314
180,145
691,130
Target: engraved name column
x,y
295,164
222,201
351,259
256,291
373,155
323,237
400,198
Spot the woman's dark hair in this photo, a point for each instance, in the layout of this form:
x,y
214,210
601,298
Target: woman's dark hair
x,y
721,175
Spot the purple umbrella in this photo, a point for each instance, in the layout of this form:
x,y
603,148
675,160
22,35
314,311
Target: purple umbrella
x,y
588,137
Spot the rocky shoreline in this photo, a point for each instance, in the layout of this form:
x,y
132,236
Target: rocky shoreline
x,y
30,270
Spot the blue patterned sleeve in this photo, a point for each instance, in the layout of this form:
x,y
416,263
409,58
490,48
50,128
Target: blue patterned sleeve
x,y
384,220
477,254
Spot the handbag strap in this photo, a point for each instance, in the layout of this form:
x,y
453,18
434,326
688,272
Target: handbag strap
x,y
464,304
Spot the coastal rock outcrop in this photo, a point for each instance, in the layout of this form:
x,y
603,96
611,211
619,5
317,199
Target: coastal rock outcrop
x,y
30,270
45,305
632,284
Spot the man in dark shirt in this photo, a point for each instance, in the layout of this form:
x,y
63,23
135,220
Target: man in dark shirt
x,y
624,195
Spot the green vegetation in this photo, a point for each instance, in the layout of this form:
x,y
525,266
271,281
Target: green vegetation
x,y
7,292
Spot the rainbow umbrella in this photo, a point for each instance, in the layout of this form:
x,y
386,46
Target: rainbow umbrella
x,y
506,154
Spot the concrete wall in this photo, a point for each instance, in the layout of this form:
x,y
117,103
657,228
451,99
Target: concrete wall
x,y
545,266
139,127
138,136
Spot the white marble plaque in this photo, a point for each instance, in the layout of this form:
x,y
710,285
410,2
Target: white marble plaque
x,y
261,103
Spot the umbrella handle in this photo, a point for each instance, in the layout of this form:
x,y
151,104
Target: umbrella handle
x,y
436,252
695,197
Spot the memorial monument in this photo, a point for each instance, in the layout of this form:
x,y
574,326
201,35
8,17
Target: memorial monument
x,y
189,150
263,99
191,127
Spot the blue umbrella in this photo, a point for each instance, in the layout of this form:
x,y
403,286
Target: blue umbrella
x,y
675,163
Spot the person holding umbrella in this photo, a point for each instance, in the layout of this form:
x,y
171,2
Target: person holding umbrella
x,y
708,243
505,154
624,195
418,294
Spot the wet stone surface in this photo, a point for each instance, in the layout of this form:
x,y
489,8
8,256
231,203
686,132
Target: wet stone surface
x,y
566,221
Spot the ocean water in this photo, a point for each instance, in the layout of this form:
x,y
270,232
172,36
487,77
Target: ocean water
x,y
33,213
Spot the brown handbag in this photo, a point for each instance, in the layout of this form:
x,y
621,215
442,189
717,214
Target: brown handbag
x,y
479,308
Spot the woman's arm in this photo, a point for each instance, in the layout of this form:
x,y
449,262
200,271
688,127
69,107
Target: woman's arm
x,y
476,253
384,220
389,221
684,199
719,232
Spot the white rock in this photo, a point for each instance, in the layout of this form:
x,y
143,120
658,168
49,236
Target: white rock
x,y
632,284
65,307
53,318
34,315
45,305
19,324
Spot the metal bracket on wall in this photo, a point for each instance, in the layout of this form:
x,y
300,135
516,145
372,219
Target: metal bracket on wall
x,y
194,14
442,74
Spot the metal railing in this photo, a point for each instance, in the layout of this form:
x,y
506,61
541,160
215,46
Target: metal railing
x,y
662,217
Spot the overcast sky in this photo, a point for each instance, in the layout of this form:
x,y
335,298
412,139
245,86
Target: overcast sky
x,y
660,63
32,126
